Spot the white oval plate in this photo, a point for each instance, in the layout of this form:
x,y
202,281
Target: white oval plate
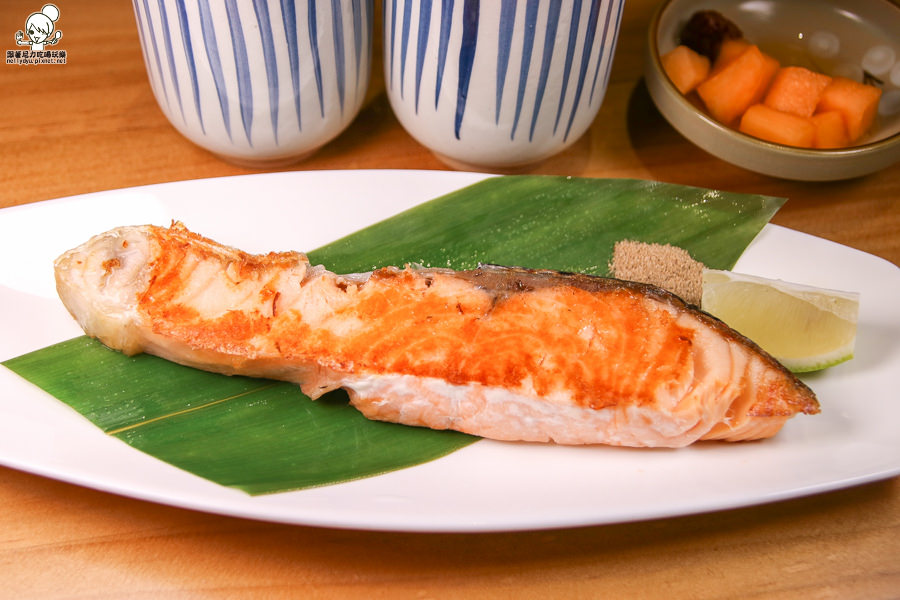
x,y
488,486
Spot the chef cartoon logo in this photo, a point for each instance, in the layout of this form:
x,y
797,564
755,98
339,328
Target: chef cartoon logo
x,y
40,36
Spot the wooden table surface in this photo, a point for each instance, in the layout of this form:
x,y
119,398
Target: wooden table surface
x,y
93,124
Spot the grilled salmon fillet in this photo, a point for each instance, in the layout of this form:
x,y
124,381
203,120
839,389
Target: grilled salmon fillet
x,y
499,352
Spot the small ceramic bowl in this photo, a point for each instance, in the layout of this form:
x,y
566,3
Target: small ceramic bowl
x,y
841,37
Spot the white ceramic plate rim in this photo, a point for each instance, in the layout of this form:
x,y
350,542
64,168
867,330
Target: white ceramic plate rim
x,y
489,486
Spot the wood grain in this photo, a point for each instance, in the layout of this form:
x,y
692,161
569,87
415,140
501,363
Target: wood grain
x,y
93,125
65,541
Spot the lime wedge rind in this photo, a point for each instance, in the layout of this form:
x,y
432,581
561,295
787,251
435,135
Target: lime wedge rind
x,y
824,363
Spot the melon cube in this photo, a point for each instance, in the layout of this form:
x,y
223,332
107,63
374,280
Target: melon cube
x,y
780,127
796,90
857,103
685,68
740,83
830,130
729,50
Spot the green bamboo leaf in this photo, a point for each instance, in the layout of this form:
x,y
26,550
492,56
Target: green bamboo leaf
x,y
263,437
256,435
563,223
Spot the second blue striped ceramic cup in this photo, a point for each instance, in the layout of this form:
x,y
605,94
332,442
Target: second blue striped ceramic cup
x,y
498,84
257,82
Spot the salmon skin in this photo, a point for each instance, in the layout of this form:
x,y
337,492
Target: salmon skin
x,y
499,352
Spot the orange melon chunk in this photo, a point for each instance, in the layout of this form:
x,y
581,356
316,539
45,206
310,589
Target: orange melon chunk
x,y
731,48
740,84
857,103
796,90
685,68
830,130
780,127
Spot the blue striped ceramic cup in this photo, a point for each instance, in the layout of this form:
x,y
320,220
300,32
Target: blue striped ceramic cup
x,y
257,82
498,84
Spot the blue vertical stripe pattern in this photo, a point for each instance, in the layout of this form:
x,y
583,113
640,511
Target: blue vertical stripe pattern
x,y
422,43
170,53
549,42
337,23
393,35
515,61
370,20
615,33
504,43
443,43
241,72
600,56
261,10
289,17
215,64
314,48
574,23
357,36
404,40
241,67
466,58
189,55
162,78
531,11
593,16
140,26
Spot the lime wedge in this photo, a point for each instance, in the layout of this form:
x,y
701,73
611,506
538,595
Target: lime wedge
x,y
806,328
